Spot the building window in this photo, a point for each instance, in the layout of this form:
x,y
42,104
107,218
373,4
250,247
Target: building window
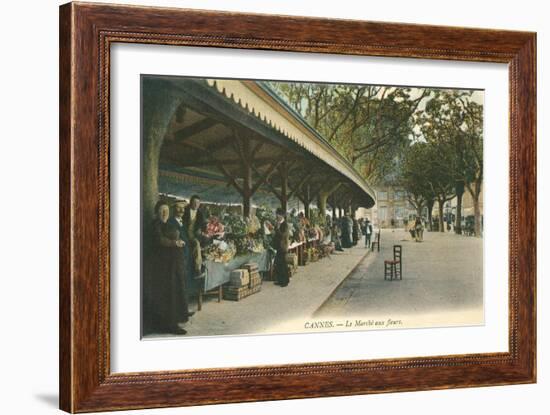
x,y
399,212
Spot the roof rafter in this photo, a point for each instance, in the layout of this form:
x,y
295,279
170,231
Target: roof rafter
x,y
194,129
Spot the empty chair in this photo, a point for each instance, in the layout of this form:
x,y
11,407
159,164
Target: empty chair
x,y
376,242
397,251
389,269
393,268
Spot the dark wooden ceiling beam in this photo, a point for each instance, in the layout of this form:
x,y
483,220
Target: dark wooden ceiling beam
x,y
194,129
231,179
257,148
265,176
296,188
206,151
274,190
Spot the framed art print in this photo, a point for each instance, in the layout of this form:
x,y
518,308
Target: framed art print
x,y
261,207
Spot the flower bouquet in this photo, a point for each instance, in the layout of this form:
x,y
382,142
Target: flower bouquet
x,y
220,251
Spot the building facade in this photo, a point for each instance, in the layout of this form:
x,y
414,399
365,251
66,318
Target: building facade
x,y
392,210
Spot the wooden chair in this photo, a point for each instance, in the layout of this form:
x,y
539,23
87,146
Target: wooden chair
x,y
376,242
389,269
393,268
397,252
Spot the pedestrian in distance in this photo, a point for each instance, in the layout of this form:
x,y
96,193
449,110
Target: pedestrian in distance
x,y
368,233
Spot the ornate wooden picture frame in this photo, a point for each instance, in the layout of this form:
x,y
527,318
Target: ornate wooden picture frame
x,y
87,32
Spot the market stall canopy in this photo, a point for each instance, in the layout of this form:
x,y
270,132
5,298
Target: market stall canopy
x,y
235,141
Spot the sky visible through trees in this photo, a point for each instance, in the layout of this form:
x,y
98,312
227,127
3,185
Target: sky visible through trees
x,y
428,141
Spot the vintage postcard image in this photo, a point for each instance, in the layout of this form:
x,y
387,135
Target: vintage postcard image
x,y
292,207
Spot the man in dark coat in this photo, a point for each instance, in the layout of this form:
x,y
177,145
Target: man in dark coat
x,y
280,244
195,222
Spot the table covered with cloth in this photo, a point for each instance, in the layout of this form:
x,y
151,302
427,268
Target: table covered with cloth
x,y
217,273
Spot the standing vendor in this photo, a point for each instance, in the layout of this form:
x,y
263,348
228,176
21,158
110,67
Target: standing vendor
x,y
195,224
280,244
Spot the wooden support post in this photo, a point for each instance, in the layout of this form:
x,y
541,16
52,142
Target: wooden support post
x,y
308,202
333,207
247,176
284,185
353,209
264,177
324,194
322,205
283,168
296,189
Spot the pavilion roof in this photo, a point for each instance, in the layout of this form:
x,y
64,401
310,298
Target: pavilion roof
x,y
223,124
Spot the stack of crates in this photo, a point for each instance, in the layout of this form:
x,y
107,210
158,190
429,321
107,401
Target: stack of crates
x,y
243,282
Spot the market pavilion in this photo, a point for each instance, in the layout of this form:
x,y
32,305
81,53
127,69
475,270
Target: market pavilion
x,y
237,142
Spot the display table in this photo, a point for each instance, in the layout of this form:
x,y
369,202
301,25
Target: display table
x,y
217,273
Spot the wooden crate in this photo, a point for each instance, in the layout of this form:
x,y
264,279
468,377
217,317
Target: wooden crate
x,y
251,267
255,279
239,278
237,294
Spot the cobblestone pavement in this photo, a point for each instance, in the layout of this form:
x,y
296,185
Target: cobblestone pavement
x,y
442,283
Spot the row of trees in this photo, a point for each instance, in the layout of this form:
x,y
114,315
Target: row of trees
x,y
446,158
368,124
428,141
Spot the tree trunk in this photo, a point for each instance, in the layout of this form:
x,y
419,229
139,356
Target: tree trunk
x,y
459,189
475,192
477,213
441,203
430,204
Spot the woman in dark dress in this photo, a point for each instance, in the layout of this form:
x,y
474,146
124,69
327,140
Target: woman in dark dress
x,y
280,244
168,302
355,231
347,231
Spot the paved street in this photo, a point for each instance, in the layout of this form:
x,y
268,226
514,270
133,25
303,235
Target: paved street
x,y
442,283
